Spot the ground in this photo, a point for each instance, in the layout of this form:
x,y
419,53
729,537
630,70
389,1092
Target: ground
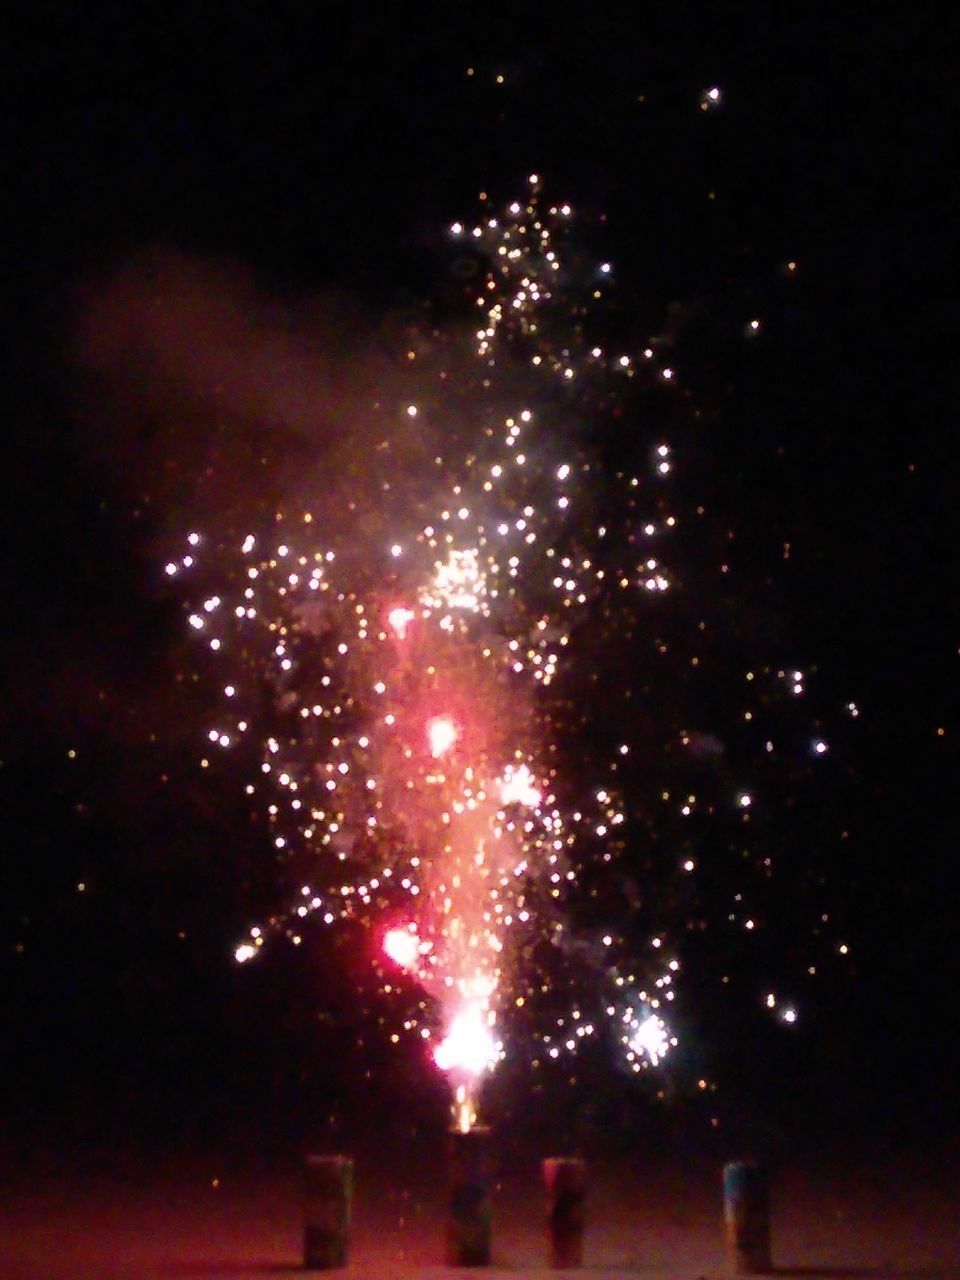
x,y
201,1217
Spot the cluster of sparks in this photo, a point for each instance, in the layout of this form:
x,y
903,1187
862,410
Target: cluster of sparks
x,y
402,724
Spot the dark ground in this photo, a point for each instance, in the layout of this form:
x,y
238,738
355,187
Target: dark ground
x,y
647,1218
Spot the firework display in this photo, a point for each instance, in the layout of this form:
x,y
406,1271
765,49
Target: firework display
x,y
473,740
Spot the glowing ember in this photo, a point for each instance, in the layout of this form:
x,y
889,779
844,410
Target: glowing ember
x,y
464,1109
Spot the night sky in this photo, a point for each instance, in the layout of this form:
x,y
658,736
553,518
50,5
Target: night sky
x,y
284,182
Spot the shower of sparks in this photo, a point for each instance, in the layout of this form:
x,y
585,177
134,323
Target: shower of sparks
x,y
403,721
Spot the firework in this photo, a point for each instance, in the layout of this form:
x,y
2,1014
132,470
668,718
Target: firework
x,y
404,715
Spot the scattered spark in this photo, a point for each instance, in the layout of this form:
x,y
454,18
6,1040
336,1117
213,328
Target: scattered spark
x,y
408,751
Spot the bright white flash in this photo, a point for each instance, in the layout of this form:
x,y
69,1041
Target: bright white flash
x,y
399,619
442,733
469,1046
651,1038
402,946
516,787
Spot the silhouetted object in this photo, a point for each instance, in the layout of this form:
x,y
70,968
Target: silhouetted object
x,y
328,1190
468,1220
746,1216
566,1183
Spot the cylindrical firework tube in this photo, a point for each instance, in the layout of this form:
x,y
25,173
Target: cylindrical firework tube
x,y
746,1216
468,1216
328,1191
566,1183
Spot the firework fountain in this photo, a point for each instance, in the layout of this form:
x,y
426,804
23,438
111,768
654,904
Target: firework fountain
x,y
403,705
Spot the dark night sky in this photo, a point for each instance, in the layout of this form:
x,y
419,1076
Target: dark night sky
x,y
323,157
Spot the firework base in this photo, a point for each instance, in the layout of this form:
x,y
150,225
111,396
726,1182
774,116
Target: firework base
x,y
468,1203
328,1192
746,1217
565,1179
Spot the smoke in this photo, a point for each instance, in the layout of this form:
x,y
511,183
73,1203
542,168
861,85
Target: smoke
x,y
194,395
207,396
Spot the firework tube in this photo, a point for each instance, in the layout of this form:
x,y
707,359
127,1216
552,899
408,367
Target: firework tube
x,y
328,1191
565,1179
746,1216
468,1220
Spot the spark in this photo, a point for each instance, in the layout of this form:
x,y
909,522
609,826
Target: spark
x,y
400,619
402,946
651,1038
469,1047
517,787
408,752
442,734
457,583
